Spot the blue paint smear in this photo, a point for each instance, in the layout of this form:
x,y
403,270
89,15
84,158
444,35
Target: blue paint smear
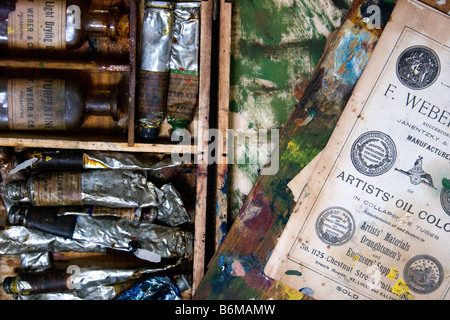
x,y
345,53
308,291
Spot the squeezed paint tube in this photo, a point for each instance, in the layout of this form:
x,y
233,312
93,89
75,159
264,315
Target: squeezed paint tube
x,y
170,210
154,288
37,261
78,159
153,81
182,97
145,240
28,283
89,293
108,188
102,188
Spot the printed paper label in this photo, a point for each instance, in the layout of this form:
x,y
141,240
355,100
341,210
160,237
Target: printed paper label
x,y
36,104
38,24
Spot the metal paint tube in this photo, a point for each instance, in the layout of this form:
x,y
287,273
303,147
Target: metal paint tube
x,y
89,293
77,160
170,210
145,240
108,188
38,261
62,281
154,288
153,81
182,98
133,214
22,240
102,188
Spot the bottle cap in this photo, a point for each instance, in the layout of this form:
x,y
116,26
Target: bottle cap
x,y
14,191
9,285
16,215
148,133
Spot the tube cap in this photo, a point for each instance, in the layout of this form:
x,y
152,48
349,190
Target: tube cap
x,y
148,133
8,285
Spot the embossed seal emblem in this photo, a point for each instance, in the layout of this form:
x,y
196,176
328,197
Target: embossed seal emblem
x,y
335,226
423,274
418,67
373,153
445,200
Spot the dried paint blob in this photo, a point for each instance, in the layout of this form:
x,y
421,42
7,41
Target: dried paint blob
x,y
423,274
418,67
373,153
335,226
308,291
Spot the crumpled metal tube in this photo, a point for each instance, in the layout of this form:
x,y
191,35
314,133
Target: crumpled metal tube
x,y
184,54
117,189
18,240
107,188
78,159
154,288
82,278
125,161
36,261
89,293
98,234
170,209
166,242
156,39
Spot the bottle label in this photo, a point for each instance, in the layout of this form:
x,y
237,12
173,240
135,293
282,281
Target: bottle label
x,y
58,189
153,95
36,104
183,94
38,24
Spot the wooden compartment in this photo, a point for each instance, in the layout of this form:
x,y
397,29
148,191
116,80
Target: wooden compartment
x,y
116,65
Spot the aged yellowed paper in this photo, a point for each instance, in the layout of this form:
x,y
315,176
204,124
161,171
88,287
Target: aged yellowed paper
x,y
375,221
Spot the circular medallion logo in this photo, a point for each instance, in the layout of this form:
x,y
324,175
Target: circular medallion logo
x,y
423,274
445,200
373,153
418,67
335,226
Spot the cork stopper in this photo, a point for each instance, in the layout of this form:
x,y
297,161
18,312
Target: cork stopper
x,y
103,103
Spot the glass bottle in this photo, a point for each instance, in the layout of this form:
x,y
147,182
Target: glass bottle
x,y
51,103
57,24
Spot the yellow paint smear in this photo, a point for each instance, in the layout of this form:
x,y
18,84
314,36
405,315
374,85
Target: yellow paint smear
x,y
393,274
401,288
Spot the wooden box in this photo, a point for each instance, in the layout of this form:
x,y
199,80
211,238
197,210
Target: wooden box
x,y
116,63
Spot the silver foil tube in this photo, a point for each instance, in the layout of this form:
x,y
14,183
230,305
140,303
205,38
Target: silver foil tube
x,y
184,81
117,189
156,42
124,161
156,38
146,240
185,48
160,241
38,261
22,240
89,293
79,279
107,188
77,159
170,209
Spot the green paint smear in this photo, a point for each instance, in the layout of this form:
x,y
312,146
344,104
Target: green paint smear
x,y
446,183
293,273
